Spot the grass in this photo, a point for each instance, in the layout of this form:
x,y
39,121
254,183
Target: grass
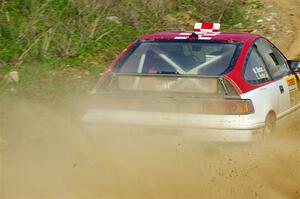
x,y
61,46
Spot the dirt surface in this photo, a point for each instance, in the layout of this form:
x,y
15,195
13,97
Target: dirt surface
x,y
287,34
46,153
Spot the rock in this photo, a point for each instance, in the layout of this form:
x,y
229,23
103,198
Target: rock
x,y
12,76
239,25
247,16
260,21
92,92
270,18
114,19
87,73
273,28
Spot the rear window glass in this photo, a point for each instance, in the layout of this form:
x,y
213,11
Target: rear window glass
x,y
180,57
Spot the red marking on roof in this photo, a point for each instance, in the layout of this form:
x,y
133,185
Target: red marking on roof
x,y
207,26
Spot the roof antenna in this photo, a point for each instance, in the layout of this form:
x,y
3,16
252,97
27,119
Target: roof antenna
x,y
193,36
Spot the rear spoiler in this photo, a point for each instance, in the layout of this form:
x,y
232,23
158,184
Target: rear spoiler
x,y
171,83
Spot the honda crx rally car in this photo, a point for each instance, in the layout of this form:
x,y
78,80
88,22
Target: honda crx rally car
x,y
230,86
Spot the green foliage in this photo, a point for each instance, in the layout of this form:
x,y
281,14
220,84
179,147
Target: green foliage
x,y
57,34
32,30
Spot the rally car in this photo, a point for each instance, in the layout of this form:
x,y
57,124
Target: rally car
x,y
222,85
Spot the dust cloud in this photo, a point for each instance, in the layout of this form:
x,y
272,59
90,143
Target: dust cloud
x,y
45,152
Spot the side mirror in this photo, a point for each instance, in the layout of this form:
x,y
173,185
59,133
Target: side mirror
x,y
295,65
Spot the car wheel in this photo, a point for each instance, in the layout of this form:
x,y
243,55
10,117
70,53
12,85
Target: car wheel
x,y
270,125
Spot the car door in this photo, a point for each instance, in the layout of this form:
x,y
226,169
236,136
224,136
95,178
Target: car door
x,y
285,81
265,98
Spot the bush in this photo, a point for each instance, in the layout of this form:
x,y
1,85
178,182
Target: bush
x,y
40,30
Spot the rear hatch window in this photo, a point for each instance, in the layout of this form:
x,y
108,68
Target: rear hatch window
x,y
180,57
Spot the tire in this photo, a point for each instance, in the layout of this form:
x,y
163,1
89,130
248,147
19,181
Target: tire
x,y
270,125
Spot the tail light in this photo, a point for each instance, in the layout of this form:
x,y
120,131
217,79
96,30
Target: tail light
x,y
230,106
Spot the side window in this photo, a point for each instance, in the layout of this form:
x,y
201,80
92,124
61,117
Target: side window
x,y
276,63
255,69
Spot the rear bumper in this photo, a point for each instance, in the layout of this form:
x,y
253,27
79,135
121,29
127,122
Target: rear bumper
x,y
204,127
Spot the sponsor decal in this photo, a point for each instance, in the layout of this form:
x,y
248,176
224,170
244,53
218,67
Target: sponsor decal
x,y
294,93
260,72
291,82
